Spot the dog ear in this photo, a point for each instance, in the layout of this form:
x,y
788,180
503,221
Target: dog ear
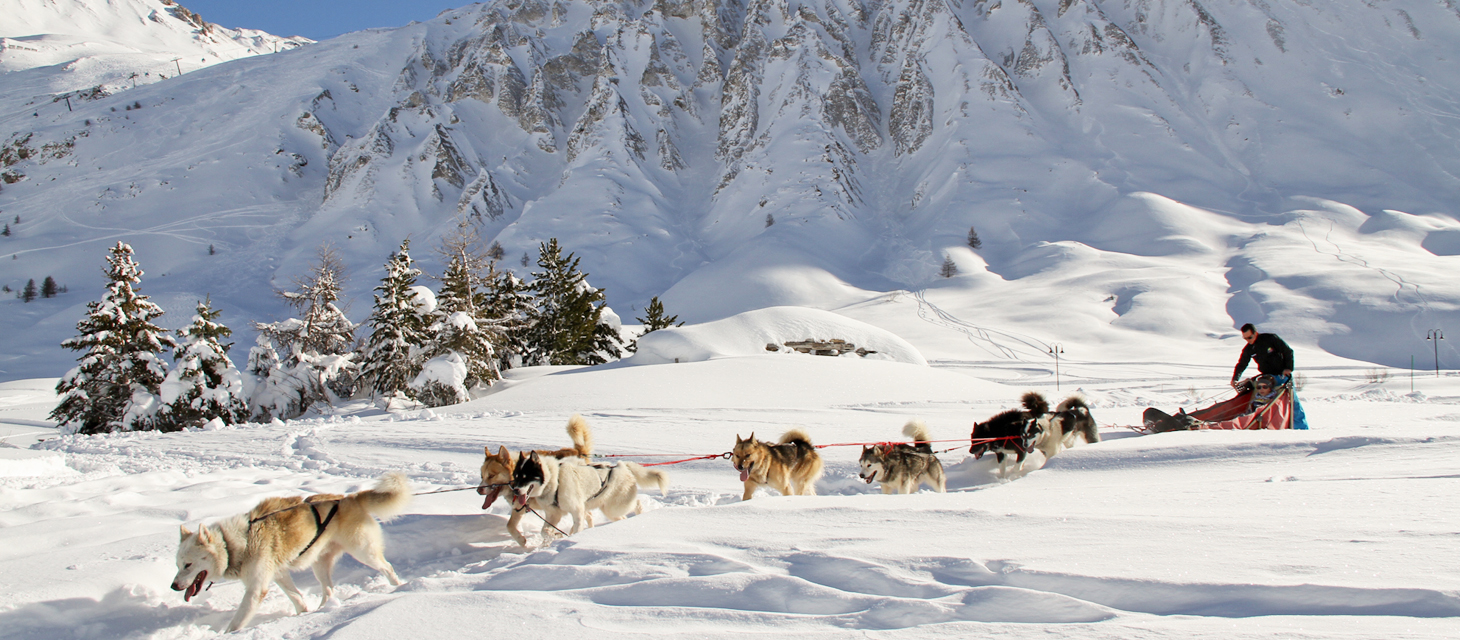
x,y
504,453
183,532
203,535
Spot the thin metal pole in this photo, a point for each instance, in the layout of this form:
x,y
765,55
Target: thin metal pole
x,y
1056,350
1436,336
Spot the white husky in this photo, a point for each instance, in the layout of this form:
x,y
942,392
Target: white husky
x,y
571,487
280,534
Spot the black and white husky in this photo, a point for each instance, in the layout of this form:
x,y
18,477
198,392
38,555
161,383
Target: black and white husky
x,y
902,467
570,486
1010,433
1069,420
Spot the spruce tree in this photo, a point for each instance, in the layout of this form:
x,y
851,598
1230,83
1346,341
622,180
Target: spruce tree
x,y
203,383
49,288
653,320
949,268
6,232
461,323
315,353
567,324
973,239
510,303
391,358
115,385
28,293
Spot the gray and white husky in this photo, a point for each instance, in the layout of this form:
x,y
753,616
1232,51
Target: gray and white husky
x,y
294,532
571,487
901,468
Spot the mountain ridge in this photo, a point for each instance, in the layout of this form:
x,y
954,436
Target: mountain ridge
x,y
689,149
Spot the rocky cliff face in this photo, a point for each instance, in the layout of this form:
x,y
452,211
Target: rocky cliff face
x,y
823,112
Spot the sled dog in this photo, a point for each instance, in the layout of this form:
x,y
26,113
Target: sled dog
x,y
902,467
569,486
295,532
1011,432
1069,420
497,472
791,465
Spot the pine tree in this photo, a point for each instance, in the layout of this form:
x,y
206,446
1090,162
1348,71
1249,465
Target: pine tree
x,y
568,323
203,383
973,240
653,320
391,359
949,269
49,288
6,232
314,354
28,293
115,385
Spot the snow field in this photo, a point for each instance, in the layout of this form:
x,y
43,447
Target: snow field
x,y
1343,531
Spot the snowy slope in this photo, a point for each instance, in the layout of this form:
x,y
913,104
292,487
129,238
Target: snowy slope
x,y
1145,176
1345,531
50,48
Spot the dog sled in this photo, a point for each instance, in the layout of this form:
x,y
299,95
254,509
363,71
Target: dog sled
x,y
1236,413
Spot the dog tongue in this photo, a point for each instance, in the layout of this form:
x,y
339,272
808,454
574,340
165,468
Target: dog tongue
x,y
744,475
196,586
492,497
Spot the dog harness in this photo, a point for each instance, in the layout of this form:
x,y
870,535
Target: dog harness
x,y
606,480
319,525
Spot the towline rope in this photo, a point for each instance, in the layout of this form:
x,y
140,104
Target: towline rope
x,y
307,502
726,455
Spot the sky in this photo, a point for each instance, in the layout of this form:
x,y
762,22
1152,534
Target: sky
x,y
318,19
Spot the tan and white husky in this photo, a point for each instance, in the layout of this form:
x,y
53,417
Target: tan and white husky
x,y
497,473
281,534
791,465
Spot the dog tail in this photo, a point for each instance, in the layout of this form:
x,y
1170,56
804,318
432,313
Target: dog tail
x,y
1035,403
797,436
648,478
389,498
918,431
1073,403
581,435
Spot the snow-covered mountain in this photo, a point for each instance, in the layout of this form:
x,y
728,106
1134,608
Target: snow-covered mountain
x,y
1144,175
50,48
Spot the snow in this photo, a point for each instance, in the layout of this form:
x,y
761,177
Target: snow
x,y
1295,176
1344,531
750,333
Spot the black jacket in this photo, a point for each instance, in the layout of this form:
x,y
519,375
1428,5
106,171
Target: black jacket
x,y
1273,356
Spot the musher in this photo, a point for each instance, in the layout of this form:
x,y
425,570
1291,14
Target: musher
x,y
1274,358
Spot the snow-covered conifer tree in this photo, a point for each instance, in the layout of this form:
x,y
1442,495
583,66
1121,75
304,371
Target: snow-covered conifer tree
x,y
461,324
508,300
570,324
114,387
315,353
391,357
203,383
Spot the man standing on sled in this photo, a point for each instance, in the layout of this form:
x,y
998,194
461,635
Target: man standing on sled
x,y
1274,358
